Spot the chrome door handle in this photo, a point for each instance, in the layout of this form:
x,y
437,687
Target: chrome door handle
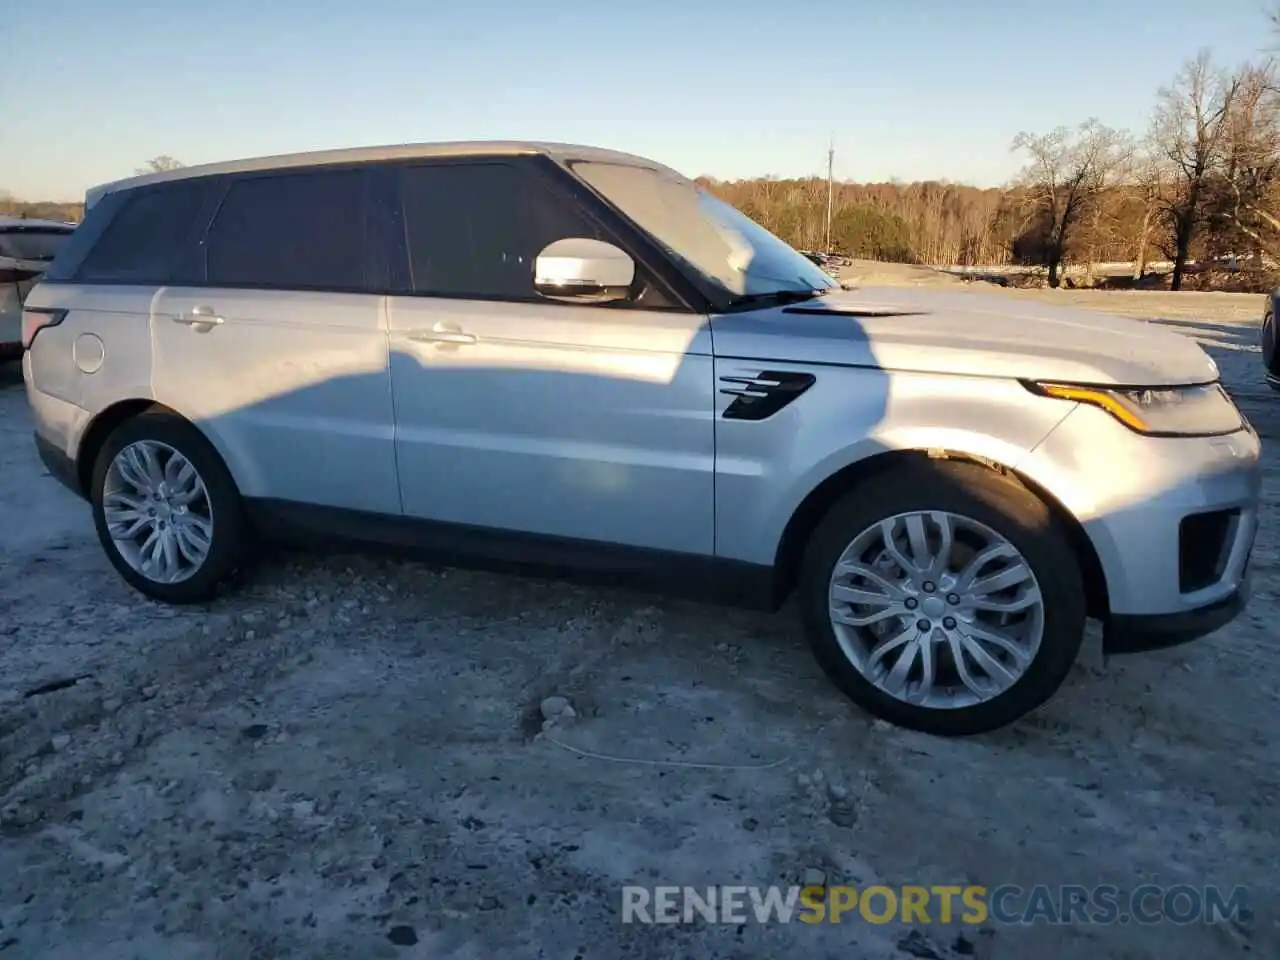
x,y
442,333
199,317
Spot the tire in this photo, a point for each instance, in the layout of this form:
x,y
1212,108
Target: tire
x,y
227,541
1270,361
979,498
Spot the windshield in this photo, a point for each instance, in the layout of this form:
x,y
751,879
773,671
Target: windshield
x,y
717,240
32,244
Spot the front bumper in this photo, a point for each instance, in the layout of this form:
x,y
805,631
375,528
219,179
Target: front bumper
x,y
1128,633
1172,522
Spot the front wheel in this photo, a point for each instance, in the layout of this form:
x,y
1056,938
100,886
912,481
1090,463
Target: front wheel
x,y
943,597
166,509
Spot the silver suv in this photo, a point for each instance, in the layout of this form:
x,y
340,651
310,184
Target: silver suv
x,y
576,359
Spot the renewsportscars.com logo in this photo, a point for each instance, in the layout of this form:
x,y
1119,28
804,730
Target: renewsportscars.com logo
x,y
969,904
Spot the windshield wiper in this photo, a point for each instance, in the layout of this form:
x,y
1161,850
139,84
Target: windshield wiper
x,y
775,296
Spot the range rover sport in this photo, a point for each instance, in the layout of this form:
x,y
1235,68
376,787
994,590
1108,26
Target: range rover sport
x,y
573,358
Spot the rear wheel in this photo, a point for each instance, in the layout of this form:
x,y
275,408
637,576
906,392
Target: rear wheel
x,y
943,597
166,509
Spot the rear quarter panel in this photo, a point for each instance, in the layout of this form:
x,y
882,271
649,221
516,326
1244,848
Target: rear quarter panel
x,y
99,355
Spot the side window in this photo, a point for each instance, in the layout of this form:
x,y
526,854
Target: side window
x,y
145,239
295,230
474,229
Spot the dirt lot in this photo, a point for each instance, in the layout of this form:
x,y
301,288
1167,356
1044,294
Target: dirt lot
x,y
346,758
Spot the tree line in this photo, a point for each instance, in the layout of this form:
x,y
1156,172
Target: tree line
x,y
1200,189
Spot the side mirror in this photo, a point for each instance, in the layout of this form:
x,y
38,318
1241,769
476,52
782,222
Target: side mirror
x,y
580,270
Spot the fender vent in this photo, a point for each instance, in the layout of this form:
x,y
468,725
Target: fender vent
x,y
761,396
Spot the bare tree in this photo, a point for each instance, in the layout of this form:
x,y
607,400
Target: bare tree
x,y
160,164
1189,132
1245,209
1149,179
1063,182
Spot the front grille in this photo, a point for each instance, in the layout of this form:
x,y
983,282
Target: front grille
x,y
1204,544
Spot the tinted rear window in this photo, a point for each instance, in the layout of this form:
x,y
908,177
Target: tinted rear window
x,y
293,231
147,236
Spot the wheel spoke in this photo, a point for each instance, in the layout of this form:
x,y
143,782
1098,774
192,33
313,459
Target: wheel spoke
x,y
849,569
961,662
946,538
200,529
993,668
864,597
896,680
137,523
918,537
190,549
1001,640
132,470
151,464
924,688
889,533
851,619
1024,601
1011,576
148,550
981,559
889,644
118,498
169,551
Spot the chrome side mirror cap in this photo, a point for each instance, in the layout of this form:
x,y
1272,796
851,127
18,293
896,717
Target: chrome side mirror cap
x,y
581,270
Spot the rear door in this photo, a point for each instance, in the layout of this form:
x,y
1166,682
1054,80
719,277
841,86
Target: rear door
x,y
521,414
280,351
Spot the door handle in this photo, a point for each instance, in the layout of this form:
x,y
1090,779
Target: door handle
x,y
199,317
442,333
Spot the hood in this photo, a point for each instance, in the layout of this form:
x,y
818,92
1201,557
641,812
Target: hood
x,y
965,333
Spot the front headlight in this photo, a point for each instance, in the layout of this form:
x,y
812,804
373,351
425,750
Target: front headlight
x,y
1202,410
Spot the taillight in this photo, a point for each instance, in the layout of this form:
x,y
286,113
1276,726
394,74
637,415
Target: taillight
x,y
35,319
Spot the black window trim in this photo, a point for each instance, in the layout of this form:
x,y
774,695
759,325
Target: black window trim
x,y
683,294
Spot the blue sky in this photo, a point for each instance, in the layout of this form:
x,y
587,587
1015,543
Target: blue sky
x,y
89,89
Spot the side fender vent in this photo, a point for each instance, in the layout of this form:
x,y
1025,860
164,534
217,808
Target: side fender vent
x,y
761,396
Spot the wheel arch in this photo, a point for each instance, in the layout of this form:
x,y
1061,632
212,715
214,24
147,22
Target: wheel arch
x,y
105,423
814,507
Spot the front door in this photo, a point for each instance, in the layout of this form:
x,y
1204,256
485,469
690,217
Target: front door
x,y
519,414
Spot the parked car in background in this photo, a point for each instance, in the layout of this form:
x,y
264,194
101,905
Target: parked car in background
x,y
577,359
1270,353
27,247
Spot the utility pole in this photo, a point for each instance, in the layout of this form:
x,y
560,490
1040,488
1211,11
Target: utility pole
x,y
831,194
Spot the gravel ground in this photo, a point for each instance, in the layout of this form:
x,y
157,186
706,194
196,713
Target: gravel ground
x,y
345,760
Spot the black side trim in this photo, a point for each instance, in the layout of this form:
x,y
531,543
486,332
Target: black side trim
x,y
1135,634
851,312
685,575
761,396
61,467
